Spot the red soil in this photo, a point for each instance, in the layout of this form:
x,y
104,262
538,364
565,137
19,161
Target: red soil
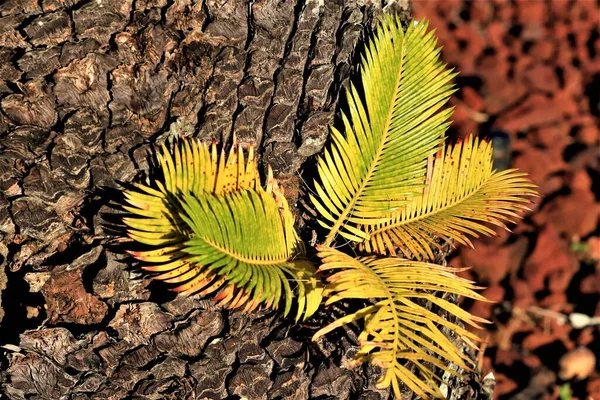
x,y
532,69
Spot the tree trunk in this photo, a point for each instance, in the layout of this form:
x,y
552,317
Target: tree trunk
x,y
87,90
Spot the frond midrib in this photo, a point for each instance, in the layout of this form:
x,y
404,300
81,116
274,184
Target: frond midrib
x,y
242,258
384,139
390,303
430,213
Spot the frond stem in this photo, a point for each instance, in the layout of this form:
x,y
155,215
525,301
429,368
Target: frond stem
x,y
343,216
426,215
390,297
241,258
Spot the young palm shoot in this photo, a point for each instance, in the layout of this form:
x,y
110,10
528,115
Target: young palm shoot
x,y
387,184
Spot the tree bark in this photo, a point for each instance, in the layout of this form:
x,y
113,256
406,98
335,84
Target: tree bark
x,y
87,90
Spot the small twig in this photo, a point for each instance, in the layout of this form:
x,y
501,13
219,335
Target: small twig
x,y
473,114
576,320
481,353
560,317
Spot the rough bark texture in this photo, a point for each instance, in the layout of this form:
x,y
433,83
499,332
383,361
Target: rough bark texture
x,y
87,90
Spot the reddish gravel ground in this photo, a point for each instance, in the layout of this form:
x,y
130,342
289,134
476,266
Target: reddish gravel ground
x,y
532,69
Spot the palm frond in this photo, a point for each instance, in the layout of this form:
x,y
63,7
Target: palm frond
x,y
398,330
463,195
194,167
390,131
242,237
161,220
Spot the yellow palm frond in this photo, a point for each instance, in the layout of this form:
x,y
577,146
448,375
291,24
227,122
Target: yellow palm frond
x,y
398,330
463,195
195,167
160,220
391,129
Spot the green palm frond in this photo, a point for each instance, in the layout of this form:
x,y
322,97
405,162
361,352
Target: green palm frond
x,y
162,221
242,237
380,162
194,167
398,330
464,193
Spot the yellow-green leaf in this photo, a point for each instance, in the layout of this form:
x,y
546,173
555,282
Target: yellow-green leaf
x,y
242,237
378,164
398,329
464,196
